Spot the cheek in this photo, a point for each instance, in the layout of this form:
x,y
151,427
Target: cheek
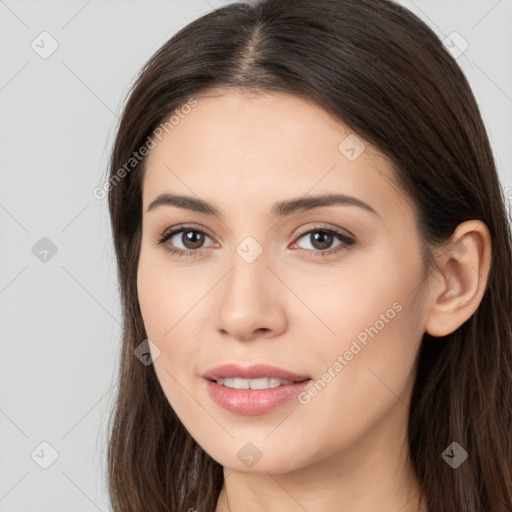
x,y
164,302
172,311
374,315
165,294
365,383
363,292
368,367
153,298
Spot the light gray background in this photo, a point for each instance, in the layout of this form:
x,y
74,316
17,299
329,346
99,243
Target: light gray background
x,y
60,319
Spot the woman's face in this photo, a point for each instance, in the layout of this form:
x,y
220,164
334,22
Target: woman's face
x,y
261,276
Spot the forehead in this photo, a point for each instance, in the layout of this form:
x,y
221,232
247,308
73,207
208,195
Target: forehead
x,y
245,145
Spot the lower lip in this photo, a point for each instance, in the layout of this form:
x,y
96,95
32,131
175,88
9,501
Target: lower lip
x,y
251,402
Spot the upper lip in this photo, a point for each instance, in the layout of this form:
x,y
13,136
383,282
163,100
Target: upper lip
x,y
255,371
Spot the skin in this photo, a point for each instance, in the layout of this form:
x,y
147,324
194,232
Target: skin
x,y
346,448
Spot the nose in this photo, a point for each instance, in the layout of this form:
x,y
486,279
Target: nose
x,y
251,301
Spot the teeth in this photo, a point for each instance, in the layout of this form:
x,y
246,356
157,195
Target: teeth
x,y
263,383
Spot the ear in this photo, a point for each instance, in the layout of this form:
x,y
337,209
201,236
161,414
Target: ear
x,y
462,271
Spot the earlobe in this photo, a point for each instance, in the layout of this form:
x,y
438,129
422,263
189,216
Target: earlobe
x,y
463,266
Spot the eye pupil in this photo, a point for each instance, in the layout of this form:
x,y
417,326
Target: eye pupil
x,y
192,239
325,240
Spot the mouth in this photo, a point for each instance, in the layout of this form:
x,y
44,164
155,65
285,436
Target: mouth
x,y
262,383
252,390
254,372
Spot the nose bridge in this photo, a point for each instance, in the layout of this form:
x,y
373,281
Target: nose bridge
x,y
248,277
248,300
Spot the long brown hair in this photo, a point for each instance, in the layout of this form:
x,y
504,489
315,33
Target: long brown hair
x,y
385,74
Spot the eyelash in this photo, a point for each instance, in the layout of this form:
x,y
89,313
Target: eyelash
x,y
346,241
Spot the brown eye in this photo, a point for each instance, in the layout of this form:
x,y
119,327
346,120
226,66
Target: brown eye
x,y
321,240
192,239
186,241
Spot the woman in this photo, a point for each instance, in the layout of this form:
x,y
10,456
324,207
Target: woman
x,y
315,269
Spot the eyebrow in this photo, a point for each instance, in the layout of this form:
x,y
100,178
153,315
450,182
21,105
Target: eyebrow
x,y
280,209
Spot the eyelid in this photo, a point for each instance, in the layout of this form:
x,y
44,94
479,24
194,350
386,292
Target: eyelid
x,y
303,231
326,227
163,236
345,239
